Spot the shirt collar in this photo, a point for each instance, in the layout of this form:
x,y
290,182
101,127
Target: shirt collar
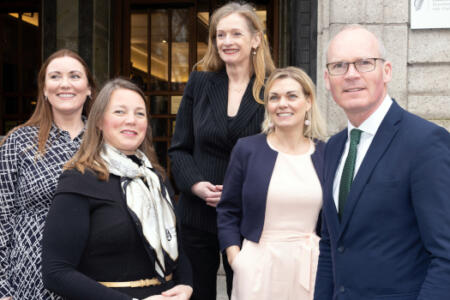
x,y
371,124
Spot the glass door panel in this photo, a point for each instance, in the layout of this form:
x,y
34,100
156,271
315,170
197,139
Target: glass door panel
x,y
159,63
19,32
139,50
180,49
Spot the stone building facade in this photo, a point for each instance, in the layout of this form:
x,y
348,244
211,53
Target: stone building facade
x,y
420,57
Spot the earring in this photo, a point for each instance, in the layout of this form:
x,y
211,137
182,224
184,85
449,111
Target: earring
x,y
45,98
254,51
307,121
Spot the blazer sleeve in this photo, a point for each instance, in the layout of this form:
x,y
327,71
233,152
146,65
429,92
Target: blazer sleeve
x,y
184,167
324,286
430,190
324,278
229,208
9,163
65,236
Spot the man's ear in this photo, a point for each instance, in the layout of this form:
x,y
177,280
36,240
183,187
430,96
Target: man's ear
x,y
387,71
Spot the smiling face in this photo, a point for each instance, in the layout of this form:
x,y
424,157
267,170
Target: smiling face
x,y
287,105
66,86
124,123
359,94
234,40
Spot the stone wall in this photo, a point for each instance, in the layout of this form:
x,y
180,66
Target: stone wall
x,y
420,58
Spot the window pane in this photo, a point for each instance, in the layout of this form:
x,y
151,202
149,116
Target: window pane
x,y
161,152
180,48
11,105
29,104
159,127
159,50
159,105
202,34
31,60
139,50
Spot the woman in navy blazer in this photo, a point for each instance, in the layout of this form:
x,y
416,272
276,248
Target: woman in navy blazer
x,y
218,107
272,195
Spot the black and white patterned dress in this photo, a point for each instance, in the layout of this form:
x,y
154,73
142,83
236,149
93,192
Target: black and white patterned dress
x,y
27,185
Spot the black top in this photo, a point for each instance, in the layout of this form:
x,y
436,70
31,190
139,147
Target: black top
x,y
203,139
90,235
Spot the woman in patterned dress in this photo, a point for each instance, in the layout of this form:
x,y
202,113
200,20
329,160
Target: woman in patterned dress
x,y
31,160
272,196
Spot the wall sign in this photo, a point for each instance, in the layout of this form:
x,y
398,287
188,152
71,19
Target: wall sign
x,y
430,14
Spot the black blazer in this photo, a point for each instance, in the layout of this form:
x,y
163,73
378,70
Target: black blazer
x,y
203,139
90,235
241,210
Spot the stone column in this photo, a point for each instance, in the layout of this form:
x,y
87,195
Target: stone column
x,y
82,26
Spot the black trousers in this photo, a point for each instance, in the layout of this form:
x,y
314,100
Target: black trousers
x,y
202,249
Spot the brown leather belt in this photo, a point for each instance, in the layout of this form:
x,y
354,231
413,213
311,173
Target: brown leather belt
x,y
136,283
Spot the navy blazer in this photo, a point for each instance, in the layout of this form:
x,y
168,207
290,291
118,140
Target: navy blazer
x,y
242,207
394,238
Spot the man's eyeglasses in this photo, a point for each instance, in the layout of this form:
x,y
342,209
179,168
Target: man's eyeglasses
x,y
361,65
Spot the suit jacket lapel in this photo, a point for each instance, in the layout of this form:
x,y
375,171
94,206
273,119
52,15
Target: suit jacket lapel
x,y
380,143
247,109
333,156
217,93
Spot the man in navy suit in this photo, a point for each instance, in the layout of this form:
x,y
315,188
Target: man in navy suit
x,y
386,211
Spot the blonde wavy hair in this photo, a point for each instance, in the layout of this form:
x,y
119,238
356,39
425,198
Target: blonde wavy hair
x,y
262,61
317,128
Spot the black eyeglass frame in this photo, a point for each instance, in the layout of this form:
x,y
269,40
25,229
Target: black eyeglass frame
x,y
354,63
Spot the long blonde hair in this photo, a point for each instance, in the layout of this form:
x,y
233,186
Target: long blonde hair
x,y
42,116
317,126
262,61
88,156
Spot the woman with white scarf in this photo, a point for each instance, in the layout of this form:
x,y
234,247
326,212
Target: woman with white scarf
x,y
111,232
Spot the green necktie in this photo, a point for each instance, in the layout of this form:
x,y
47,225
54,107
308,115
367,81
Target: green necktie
x,y
349,169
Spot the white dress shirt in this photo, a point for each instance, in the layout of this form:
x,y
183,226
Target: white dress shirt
x,y
369,128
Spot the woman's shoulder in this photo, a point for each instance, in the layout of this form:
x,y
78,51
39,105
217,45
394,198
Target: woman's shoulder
x,y
252,143
22,134
319,146
20,139
201,76
256,139
85,183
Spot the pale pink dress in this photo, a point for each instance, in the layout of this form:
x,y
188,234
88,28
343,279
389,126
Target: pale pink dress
x,y
283,265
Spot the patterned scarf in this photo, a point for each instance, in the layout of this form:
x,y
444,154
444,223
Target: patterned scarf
x,y
151,204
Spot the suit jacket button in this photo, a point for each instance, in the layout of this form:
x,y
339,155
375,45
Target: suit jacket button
x,y
342,289
341,249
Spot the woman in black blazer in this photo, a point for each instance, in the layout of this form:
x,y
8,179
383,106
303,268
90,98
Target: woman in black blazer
x,y
219,106
268,214
111,232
